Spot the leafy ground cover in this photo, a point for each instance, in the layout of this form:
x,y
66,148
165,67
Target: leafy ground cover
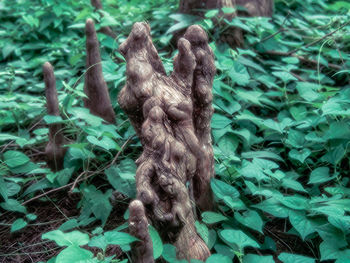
x,y
281,133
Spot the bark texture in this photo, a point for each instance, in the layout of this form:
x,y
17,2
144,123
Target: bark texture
x,y
171,115
95,87
142,251
54,150
105,29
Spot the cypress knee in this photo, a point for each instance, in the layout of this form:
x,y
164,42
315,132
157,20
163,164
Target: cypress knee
x,y
171,115
54,151
95,87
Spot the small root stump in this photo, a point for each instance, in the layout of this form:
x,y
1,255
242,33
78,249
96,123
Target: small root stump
x,y
54,150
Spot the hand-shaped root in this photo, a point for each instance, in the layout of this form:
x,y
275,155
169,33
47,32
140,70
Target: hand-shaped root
x,y
163,110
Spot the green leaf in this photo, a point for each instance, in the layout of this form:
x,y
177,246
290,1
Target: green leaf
x,y
250,219
273,125
183,20
203,231
320,175
252,258
293,184
234,203
80,154
156,241
212,217
18,224
239,238
331,250
228,10
341,222
236,22
118,238
3,189
296,139
220,121
15,158
27,168
299,155
7,137
78,25
252,170
262,154
211,238
293,258
301,223
67,239
74,253
273,207
299,113
254,97
108,20
239,74
122,177
50,119
8,49
295,202
335,155
97,202
338,5
169,254
228,144
284,76
105,142
338,130
265,164
98,241
31,217
14,206
84,114
328,210
228,106
215,258
211,13
249,63
308,91
68,225
222,189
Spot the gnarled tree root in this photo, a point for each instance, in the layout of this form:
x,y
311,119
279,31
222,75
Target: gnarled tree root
x,y
171,115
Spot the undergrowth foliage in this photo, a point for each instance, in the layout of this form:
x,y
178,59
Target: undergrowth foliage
x,y
281,129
